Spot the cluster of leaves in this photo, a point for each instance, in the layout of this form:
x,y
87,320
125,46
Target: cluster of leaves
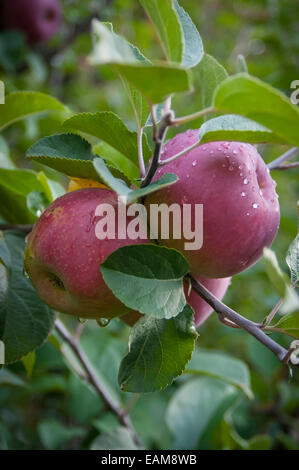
x,y
101,146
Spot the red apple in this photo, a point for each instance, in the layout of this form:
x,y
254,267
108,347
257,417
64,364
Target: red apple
x,y
240,205
63,256
37,19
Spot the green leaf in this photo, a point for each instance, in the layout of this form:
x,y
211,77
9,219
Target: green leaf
x,y
15,185
117,160
68,153
171,79
221,366
9,378
25,321
165,18
120,187
289,324
211,74
4,252
147,278
158,352
108,127
37,202
5,161
192,43
280,282
118,439
194,406
29,362
21,104
113,50
110,46
54,434
250,97
235,128
292,259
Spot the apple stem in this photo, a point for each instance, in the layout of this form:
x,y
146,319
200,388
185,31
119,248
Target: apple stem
x,y
255,329
276,164
92,378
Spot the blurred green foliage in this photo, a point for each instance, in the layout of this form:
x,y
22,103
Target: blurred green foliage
x,y
53,409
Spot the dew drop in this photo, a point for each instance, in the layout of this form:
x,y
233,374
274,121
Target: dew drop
x,y
255,205
103,322
241,174
247,213
245,181
230,168
261,192
204,148
188,176
235,152
243,194
212,152
240,167
194,163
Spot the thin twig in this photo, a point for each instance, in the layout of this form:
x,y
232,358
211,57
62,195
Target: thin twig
x,y
93,379
140,152
191,117
253,328
21,228
283,158
289,166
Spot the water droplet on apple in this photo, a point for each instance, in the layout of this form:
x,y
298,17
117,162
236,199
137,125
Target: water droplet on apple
x,y
243,194
255,205
261,192
247,213
245,181
103,322
194,163
230,168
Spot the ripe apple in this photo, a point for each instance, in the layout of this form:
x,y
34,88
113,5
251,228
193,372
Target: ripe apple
x,y
37,19
201,308
240,205
63,256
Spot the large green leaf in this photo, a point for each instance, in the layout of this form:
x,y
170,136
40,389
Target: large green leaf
x,y
68,153
235,128
21,104
211,74
159,350
25,321
220,365
165,18
147,278
250,97
113,50
194,406
108,127
15,185
192,43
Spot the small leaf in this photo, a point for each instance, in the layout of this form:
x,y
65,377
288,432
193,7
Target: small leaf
x,y
25,321
9,378
147,278
250,97
159,350
116,184
235,128
21,104
54,434
29,362
108,127
211,74
118,439
280,282
165,18
37,202
192,43
221,366
117,160
15,185
292,259
289,324
194,406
